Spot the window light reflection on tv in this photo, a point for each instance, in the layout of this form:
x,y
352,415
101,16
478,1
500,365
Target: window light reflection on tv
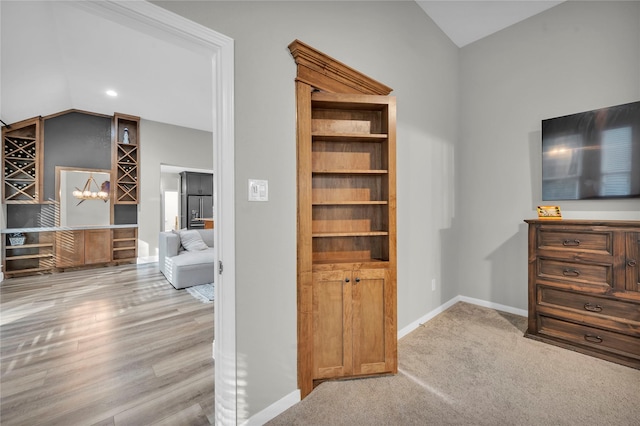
x,y
592,155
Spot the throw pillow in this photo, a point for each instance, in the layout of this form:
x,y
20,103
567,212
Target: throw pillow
x,y
192,241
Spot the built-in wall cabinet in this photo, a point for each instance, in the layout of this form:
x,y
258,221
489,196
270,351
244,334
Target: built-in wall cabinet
x,y
33,240
346,222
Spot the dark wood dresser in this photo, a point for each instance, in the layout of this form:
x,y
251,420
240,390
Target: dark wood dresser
x,y
584,287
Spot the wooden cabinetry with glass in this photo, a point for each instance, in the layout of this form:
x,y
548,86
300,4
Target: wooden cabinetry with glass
x,y
346,133
126,155
22,164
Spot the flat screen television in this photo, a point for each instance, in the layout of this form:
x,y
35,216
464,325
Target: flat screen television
x,y
592,155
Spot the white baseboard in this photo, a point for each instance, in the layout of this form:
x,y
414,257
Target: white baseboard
x,y
415,324
147,259
496,306
274,409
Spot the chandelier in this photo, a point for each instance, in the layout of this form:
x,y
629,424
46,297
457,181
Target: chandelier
x,y
86,193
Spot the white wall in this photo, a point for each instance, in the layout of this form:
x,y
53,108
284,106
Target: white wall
x,y
166,144
577,56
394,43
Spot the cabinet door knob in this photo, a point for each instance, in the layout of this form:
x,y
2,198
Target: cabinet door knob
x,y
589,307
571,273
346,280
358,280
571,243
632,262
593,338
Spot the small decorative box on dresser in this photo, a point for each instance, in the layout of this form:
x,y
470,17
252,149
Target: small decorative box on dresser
x,y
584,287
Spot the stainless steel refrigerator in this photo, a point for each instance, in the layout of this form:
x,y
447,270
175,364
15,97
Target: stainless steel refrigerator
x,y
196,199
199,207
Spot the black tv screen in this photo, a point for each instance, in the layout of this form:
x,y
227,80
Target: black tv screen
x,y
592,155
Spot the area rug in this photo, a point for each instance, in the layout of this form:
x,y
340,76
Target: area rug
x,y
203,293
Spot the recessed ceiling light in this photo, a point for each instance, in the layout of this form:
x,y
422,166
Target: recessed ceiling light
x,y
112,93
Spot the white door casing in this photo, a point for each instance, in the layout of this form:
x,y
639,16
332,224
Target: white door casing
x,y
159,22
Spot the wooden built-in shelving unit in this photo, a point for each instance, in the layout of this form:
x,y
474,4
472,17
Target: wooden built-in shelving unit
x,y
56,248
124,244
22,149
36,255
346,222
126,159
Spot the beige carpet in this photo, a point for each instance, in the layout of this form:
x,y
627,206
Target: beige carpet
x,y
472,366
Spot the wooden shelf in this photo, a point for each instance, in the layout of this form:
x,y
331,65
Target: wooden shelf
x,y
351,261
29,246
124,245
22,148
348,137
35,256
350,172
349,203
126,160
350,234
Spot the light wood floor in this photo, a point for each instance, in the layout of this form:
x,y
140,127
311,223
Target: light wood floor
x,y
107,346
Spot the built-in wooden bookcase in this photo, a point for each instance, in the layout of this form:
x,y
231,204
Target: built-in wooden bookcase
x,y
126,159
350,152
346,222
22,163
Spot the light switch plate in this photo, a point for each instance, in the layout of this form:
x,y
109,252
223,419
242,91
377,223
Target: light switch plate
x,y
258,190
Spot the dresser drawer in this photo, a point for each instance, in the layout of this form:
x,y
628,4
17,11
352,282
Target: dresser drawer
x,y
587,303
590,337
589,273
572,240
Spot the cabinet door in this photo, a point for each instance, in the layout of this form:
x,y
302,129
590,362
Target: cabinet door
x,y
97,246
353,323
199,184
332,317
69,249
373,322
632,261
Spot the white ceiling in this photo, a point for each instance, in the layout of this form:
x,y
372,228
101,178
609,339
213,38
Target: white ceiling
x,y
66,57
467,21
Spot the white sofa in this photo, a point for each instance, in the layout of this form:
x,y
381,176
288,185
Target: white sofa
x,y
186,267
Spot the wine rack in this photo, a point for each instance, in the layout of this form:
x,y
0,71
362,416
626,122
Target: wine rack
x,y
127,154
22,147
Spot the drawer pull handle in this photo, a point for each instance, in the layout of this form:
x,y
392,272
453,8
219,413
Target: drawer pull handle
x,y
632,262
571,243
589,307
592,338
571,273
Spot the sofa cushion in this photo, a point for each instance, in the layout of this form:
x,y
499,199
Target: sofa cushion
x,y
200,257
192,240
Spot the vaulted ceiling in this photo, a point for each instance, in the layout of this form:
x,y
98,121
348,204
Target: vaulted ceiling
x,y
67,56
